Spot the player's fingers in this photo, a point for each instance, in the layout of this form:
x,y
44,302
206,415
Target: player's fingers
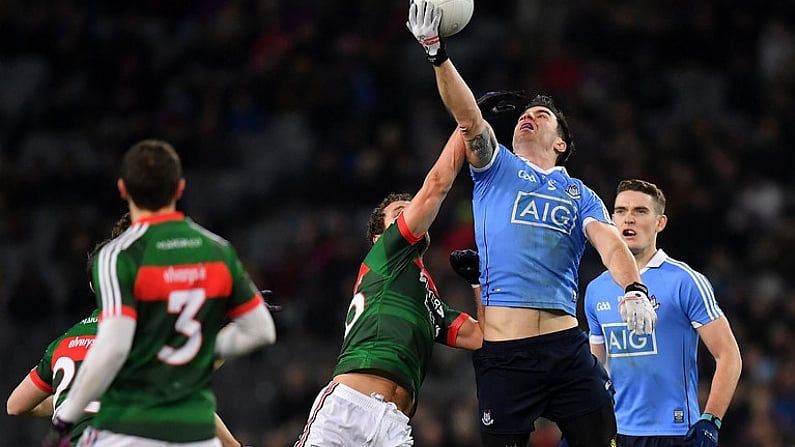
x,y
437,18
413,11
427,13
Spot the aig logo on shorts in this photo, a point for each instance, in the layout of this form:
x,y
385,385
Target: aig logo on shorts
x,y
541,210
623,343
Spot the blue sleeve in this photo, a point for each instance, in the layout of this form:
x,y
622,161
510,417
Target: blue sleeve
x,y
486,173
698,299
592,206
594,328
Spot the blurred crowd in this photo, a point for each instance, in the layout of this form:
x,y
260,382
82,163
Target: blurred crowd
x,y
294,118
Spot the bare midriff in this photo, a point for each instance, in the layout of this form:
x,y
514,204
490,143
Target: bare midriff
x,y
512,323
369,384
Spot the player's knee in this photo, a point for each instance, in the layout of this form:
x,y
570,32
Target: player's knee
x,y
596,429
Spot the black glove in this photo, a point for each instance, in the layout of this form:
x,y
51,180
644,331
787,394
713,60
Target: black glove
x,y
467,264
267,293
59,435
502,102
704,433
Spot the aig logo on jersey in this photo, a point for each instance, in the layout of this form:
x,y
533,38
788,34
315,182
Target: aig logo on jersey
x,y
541,210
620,342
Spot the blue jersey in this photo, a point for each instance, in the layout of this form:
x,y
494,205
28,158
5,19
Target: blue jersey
x,y
655,376
530,232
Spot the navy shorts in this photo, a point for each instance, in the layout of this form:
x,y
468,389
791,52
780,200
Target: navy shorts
x,y
552,375
649,441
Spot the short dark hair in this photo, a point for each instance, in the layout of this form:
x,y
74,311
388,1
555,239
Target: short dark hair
x,y
646,188
151,170
563,126
376,225
119,227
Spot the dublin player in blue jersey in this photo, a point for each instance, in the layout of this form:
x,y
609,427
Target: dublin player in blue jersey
x,y
656,376
532,222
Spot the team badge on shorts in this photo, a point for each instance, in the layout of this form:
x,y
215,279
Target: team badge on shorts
x,y
486,419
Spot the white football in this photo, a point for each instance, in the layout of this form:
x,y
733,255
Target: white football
x,y
456,14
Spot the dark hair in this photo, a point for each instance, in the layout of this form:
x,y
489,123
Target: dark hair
x,y
563,126
646,188
118,228
376,225
151,170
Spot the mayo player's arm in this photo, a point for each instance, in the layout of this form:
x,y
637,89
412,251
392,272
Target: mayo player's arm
x,y
460,102
423,208
103,361
470,335
246,333
719,340
27,399
614,252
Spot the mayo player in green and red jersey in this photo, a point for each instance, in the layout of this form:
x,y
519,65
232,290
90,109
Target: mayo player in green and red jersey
x,y
164,289
395,318
48,383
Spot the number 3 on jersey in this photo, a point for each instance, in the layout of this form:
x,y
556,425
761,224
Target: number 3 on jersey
x,y
354,311
185,303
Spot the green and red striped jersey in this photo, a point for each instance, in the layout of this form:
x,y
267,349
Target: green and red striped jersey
x,y
396,314
180,282
58,367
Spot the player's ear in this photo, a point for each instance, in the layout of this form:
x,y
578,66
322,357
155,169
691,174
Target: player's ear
x,y
180,189
662,221
122,189
559,146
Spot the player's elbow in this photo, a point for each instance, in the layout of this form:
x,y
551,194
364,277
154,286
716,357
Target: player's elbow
x,y
438,184
267,334
471,122
14,407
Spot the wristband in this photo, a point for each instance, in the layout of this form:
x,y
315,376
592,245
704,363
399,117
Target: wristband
x,y
712,418
637,287
438,58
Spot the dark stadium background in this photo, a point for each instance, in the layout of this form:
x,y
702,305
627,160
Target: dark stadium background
x,y
295,117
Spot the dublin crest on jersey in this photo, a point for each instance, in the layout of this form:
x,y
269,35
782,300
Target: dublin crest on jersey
x,y
573,191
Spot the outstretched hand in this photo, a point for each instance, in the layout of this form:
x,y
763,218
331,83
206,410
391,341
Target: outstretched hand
x,y
423,22
467,264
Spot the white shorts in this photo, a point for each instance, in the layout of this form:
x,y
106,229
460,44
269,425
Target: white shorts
x,y
343,417
102,438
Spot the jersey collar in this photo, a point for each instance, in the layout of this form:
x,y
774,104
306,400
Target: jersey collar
x,y
160,218
543,171
655,261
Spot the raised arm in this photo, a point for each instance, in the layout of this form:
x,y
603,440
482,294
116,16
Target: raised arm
x,y
423,22
425,205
